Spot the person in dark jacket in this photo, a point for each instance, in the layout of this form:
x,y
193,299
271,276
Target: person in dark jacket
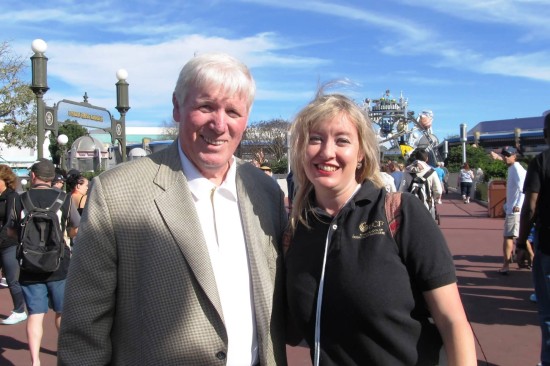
x,y
8,246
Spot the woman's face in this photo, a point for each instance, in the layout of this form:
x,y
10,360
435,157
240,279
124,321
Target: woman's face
x,y
2,185
82,188
332,155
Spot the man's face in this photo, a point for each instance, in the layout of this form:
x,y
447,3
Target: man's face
x,y
509,160
211,127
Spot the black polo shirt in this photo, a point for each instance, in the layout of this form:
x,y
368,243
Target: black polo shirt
x,y
537,180
373,311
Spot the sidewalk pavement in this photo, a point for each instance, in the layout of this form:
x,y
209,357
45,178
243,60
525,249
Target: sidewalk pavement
x,y
502,317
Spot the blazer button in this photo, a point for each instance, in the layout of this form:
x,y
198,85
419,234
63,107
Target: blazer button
x,y
221,355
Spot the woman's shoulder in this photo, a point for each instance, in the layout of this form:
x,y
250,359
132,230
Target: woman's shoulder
x,y
10,193
76,196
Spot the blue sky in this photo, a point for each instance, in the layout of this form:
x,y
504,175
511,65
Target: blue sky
x,y
468,61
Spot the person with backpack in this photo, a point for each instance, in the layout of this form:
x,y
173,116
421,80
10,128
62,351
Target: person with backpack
x,y
39,218
421,180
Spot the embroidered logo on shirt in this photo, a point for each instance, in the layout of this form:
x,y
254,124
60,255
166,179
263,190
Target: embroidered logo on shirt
x,y
374,228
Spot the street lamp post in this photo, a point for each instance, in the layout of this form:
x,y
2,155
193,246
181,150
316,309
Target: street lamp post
x,y
62,141
39,87
517,137
122,104
463,139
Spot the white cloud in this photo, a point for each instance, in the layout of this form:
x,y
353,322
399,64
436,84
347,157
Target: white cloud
x,y
531,15
395,24
532,66
153,69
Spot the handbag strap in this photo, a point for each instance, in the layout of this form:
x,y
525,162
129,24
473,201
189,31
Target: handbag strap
x,y
392,206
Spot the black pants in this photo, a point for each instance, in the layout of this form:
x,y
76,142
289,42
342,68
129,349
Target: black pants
x,y
465,188
11,270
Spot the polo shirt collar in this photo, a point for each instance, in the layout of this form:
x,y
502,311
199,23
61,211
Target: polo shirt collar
x,y
368,192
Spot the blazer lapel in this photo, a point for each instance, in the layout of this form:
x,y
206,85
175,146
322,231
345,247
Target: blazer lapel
x,y
177,207
250,200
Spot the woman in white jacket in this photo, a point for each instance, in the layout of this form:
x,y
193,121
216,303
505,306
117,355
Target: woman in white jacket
x,y
465,182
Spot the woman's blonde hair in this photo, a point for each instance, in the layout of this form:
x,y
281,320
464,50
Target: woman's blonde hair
x,y
323,108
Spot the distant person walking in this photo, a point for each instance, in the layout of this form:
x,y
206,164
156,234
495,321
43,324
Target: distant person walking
x,y
395,170
420,169
8,246
465,182
77,187
512,207
445,177
441,175
536,210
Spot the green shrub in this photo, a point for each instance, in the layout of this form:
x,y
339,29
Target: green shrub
x,y
280,166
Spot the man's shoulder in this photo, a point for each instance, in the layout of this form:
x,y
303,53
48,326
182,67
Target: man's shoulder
x,y
45,197
46,194
517,168
142,170
145,166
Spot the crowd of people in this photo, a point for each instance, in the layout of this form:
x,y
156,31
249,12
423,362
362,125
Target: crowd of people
x,y
205,261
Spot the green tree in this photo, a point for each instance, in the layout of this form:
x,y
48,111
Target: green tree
x,y
17,107
73,131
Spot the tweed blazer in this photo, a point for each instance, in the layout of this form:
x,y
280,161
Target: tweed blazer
x,y
141,289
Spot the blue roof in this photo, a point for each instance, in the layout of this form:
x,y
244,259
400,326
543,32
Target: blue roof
x,y
507,125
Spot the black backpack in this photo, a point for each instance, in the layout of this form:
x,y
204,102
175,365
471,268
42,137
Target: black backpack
x,y
420,188
42,244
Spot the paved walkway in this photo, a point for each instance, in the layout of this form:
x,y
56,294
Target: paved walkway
x,y
498,306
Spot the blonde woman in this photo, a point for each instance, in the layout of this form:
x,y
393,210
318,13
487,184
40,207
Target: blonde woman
x,y
354,293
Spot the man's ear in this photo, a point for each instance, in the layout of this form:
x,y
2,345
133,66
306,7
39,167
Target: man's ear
x,y
176,108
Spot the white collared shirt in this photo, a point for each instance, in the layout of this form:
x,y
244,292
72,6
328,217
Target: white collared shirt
x,y
218,212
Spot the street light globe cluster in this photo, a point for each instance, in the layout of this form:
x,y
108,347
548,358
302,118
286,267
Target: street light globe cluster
x,y
122,74
39,46
62,139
